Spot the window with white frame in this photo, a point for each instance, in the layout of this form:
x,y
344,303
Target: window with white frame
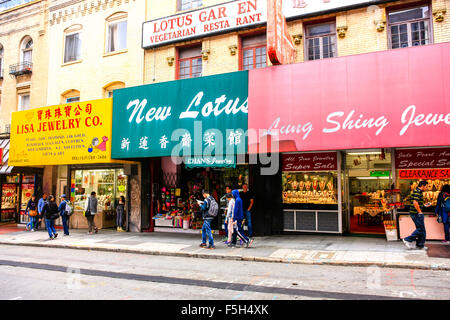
x,y
26,52
72,50
116,34
409,27
189,4
24,102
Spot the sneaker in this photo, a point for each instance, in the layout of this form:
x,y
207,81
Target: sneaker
x,y
445,241
32,230
27,228
211,247
55,235
203,245
231,245
51,238
249,244
408,244
65,235
96,230
90,233
240,242
421,248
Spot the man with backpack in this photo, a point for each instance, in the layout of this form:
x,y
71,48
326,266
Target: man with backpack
x,y
209,209
65,210
443,211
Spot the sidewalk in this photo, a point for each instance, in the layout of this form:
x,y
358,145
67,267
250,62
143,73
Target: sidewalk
x,y
300,249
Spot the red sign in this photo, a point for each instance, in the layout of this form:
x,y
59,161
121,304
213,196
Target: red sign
x,y
1,155
422,158
323,161
280,48
352,102
427,174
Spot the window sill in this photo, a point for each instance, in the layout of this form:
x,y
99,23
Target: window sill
x,y
71,62
115,53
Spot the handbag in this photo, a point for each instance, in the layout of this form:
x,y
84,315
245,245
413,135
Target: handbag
x,y
33,213
87,213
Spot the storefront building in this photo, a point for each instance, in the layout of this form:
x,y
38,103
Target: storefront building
x,y
76,139
354,137
189,135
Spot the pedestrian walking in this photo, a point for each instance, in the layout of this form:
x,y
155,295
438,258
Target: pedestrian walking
x,y
229,217
65,211
416,214
32,212
51,213
225,239
90,210
443,211
42,201
248,200
237,219
120,212
209,209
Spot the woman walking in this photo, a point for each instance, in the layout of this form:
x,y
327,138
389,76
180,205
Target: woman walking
x,y
51,213
229,218
441,210
120,211
31,210
90,209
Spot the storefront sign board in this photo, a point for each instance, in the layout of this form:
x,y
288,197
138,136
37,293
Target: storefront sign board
x,y
205,116
352,102
425,174
209,161
422,158
323,161
231,15
75,133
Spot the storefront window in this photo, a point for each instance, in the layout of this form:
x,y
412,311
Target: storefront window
x,y
310,187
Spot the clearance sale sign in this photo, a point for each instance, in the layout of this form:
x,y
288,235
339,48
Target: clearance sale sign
x,y
76,133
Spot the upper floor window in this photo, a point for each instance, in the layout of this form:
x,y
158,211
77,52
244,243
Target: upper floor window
x,y
189,4
190,63
116,33
321,41
72,44
1,61
24,102
409,27
26,50
109,89
254,52
70,96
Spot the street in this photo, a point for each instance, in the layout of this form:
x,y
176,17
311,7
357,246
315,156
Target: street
x,y
29,273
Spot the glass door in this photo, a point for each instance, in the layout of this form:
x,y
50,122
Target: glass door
x,y
369,174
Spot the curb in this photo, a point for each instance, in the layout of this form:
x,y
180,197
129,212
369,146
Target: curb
x,y
398,265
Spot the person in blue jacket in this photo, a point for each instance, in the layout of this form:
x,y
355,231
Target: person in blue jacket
x,y
206,229
62,212
442,212
40,216
238,218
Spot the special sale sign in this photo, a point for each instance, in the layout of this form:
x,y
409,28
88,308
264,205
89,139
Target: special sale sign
x,y
76,133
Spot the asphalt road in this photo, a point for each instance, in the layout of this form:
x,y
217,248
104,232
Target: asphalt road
x,y
30,273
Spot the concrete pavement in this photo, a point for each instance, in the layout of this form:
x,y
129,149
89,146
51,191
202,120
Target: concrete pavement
x,y
295,249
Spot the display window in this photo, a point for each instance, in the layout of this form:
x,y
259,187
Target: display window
x,y
27,190
178,206
310,187
108,184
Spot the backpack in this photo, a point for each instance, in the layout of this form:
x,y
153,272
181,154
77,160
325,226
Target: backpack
x,y
68,211
213,208
446,202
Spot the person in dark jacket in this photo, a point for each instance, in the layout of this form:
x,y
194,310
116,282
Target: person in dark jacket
x,y
120,211
62,212
206,229
31,210
442,212
51,213
238,217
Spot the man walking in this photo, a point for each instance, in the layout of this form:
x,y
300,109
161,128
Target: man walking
x,y
91,207
416,214
247,201
63,206
42,201
209,210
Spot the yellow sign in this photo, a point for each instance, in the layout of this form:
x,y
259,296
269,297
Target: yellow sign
x,y
75,133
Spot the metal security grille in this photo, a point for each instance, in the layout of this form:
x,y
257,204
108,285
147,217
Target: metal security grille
x,y
170,179
328,221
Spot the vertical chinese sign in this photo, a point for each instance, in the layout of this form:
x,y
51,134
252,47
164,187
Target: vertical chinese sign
x,y
280,48
77,133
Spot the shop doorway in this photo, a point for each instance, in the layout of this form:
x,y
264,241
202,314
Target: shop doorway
x,y
369,177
